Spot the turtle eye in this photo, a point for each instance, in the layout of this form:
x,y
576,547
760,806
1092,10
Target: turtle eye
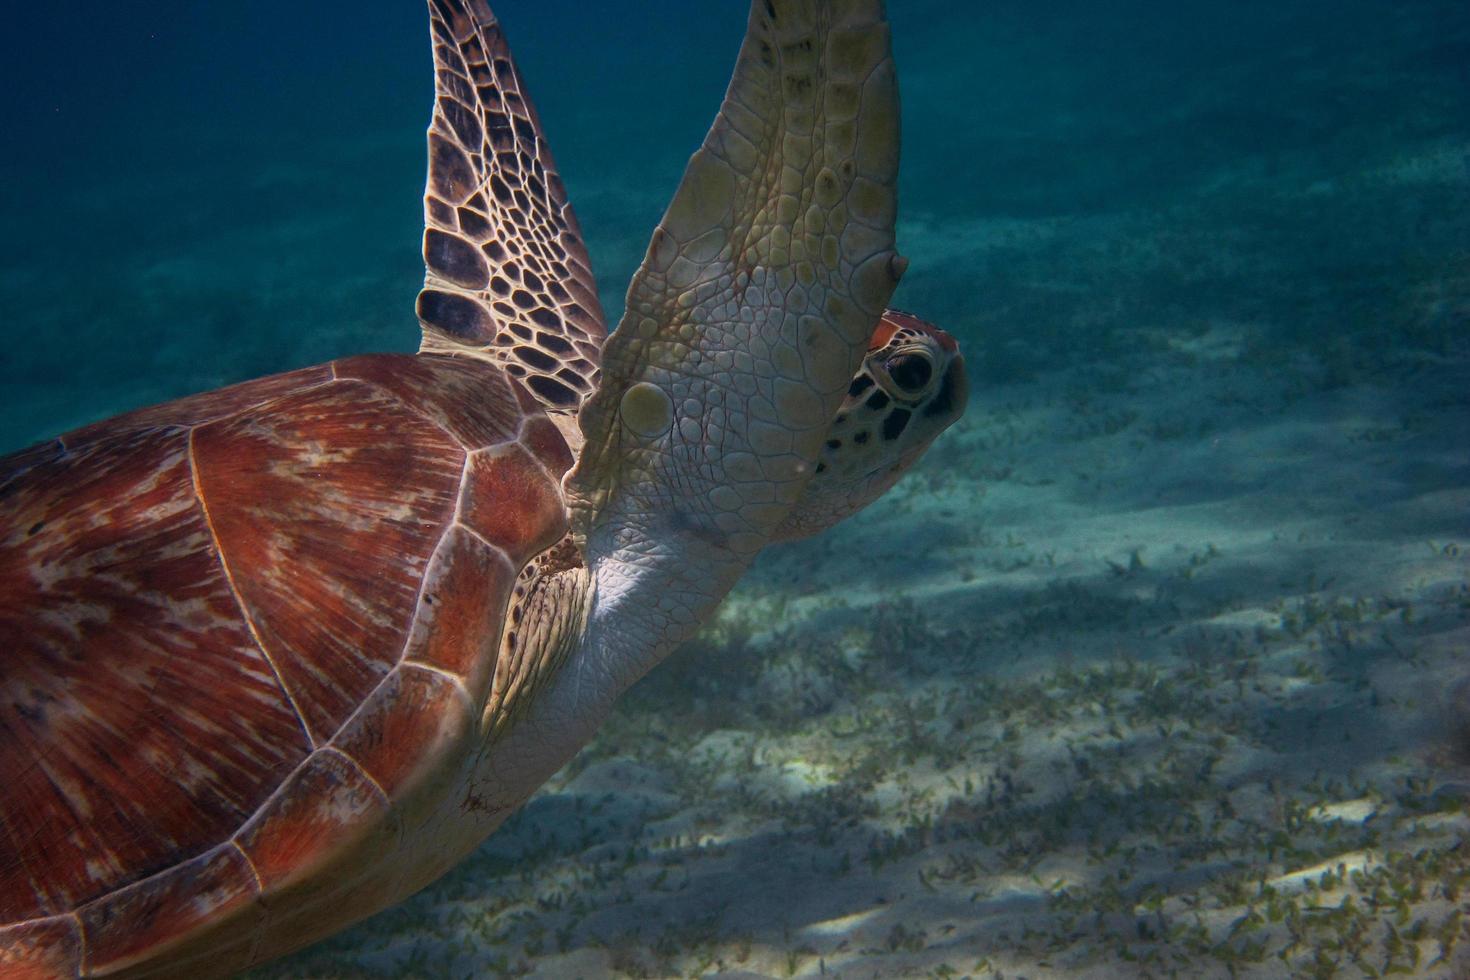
x,y
911,371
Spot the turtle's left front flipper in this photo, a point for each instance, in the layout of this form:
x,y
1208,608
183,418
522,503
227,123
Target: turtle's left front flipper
x,y
506,272
748,317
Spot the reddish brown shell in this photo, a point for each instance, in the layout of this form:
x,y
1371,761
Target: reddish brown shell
x,y
234,630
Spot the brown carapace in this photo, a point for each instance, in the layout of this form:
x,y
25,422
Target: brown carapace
x,y
232,627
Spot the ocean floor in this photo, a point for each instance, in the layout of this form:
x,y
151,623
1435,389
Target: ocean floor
x,y
1153,668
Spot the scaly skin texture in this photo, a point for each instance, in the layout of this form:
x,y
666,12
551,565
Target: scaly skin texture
x,y
910,387
749,316
507,275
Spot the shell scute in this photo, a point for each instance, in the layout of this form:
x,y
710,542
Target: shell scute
x,y
18,464
410,737
167,911
544,440
464,597
313,839
466,397
511,502
41,949
325,523
202,407
24,892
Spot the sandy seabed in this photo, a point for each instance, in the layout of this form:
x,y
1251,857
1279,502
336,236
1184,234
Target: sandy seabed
x,y
1156,668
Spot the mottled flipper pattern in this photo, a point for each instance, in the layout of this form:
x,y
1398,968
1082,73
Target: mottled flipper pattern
x,y
507,272
750,312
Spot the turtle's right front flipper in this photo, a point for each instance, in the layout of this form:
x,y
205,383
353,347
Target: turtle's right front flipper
x,y
750,314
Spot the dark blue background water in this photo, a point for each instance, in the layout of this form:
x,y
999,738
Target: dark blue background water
x,y
196,193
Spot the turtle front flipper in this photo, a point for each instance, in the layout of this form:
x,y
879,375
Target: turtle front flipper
x,y
507,273
751,311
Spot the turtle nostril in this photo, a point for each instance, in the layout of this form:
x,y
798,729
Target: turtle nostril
x,y
911,371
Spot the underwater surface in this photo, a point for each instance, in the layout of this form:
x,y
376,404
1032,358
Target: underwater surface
x,y
1159,662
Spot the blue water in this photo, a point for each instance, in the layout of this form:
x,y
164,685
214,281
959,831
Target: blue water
x,y
1210,263
198,193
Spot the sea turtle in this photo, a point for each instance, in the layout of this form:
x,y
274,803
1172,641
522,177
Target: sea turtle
x,y
276,656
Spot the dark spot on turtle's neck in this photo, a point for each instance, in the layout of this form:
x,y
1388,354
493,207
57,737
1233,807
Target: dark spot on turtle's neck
x,y
861,438
859,385
878,401
834,443
896,422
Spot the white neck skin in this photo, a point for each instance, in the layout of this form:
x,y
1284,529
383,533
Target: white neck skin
x,y
646,597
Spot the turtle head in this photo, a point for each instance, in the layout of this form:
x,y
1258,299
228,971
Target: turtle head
x,y
908,389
